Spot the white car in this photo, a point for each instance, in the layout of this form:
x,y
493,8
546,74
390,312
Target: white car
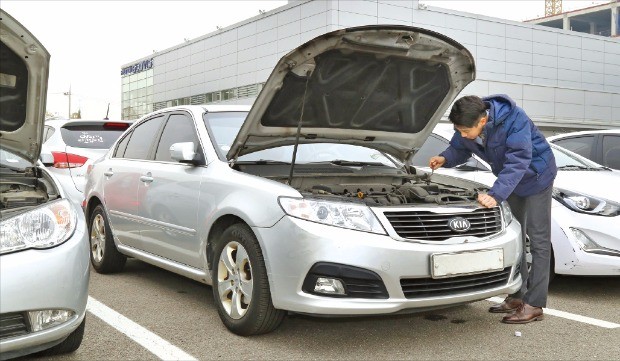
x,y
44,270
601,146
585,228
74,145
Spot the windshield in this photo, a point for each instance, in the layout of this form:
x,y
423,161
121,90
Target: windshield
x,y
566,159
13,161
224,126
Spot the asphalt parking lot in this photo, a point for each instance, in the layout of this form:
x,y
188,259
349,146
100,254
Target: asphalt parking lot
x,y
154,314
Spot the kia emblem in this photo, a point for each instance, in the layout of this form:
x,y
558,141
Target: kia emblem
x,y
459,224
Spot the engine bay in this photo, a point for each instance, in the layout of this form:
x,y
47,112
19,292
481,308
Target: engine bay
x,y
20,191
378,187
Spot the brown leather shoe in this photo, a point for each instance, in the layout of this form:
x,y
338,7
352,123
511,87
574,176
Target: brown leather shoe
x,y
510,304
524,314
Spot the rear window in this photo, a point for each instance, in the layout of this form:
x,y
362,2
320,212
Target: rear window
x,y
90,136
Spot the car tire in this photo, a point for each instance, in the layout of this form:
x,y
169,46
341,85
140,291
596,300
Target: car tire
x,y
104,256
70,344
239,270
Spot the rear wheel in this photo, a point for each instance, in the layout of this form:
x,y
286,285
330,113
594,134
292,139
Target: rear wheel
x,y
240,284
104,255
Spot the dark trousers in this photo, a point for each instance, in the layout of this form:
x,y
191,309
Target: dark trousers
x,y
534,214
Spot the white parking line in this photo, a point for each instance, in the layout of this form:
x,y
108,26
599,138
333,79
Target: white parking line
x,y
153,343
569,316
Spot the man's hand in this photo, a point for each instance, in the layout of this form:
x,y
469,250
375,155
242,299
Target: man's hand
x,y
436,162
486,200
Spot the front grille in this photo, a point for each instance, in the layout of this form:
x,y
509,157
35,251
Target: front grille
x,y
434,226
13,324
429,287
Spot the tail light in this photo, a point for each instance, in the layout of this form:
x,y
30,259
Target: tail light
x,y
64,160
116,125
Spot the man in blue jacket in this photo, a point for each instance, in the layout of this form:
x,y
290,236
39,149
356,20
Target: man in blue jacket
x,y
498,131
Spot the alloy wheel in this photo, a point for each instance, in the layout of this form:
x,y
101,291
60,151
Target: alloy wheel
x,y
97,238
234,280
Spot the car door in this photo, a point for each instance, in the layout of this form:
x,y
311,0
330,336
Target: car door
x,y
168,194
122,178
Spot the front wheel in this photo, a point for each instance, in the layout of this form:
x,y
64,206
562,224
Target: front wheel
x,y
70,344
240,284
104,256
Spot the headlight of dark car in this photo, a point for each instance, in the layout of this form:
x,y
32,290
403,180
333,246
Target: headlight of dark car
x,y
43,227
583,203
346,215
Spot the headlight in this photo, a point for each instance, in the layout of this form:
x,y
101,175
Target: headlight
x,y
583,203
506,213
43,227
345,215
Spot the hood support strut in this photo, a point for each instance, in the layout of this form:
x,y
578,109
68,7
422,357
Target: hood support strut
x,y
301,117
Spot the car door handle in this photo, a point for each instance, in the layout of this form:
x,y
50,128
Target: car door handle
x,y
108,173
147,178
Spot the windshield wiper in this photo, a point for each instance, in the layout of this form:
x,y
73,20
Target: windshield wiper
x,y
574,167
262,161
356,163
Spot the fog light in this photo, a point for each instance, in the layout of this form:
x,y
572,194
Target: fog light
x,y
332,286
44,319
586,243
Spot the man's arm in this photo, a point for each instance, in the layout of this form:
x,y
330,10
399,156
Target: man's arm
x,y
456,153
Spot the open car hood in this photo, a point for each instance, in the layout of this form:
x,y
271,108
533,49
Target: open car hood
x,y
382,87
24,66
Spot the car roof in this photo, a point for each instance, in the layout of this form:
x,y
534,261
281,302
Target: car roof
x,y
584,132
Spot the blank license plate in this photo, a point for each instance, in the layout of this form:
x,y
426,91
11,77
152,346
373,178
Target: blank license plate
x,y
454,264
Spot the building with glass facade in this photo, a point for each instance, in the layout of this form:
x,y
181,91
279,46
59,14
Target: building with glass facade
x,y
563,79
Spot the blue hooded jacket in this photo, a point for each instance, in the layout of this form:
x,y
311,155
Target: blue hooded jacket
x,y
517,151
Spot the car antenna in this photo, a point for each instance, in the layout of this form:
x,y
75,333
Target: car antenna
x,y
301,116
107,113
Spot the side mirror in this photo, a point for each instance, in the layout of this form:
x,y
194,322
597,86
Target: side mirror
x,y
46,158
184,153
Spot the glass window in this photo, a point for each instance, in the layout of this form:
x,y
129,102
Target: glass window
x,y
431,147
122,145
91,136
580,145
611,151
179,129
149,81
49,131
142,138
141,83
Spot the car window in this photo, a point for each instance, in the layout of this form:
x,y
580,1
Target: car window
x,y
224,127
179,128
565,159
611,151
13,161
90,136
580,145
48,132
431,147
142,137
122,146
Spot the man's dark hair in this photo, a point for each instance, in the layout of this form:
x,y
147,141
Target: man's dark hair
x,y
467,110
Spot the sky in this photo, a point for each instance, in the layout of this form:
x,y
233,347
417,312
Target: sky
x,y
90,41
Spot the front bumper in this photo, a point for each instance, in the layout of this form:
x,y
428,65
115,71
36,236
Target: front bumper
x,y
293,246
55,278
570,256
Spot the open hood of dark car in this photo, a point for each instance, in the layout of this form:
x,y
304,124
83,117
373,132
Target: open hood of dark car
x,y
383,87
24,66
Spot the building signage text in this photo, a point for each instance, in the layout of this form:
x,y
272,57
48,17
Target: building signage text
x,y
137,67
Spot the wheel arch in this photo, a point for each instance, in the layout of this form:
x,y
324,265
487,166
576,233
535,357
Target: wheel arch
x,y
218,227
